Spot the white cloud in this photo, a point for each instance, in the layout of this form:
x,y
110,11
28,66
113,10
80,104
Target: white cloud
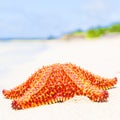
x,y
95,5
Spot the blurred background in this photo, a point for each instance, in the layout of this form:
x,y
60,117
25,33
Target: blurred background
x,y
34,33
44,19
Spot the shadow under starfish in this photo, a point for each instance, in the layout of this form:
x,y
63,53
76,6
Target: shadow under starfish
x,y
59,82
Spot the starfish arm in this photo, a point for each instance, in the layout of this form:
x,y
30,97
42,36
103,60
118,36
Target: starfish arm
x,y
85,88
31,101
19,91
43,97
38,99
28,101
36,95
100,82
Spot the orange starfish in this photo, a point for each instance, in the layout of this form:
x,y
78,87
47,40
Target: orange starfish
x,y
59,82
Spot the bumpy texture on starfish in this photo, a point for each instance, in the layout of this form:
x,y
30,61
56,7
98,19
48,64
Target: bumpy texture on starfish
x,y
59,82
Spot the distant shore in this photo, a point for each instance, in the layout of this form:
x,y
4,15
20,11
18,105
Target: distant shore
x,y
66,37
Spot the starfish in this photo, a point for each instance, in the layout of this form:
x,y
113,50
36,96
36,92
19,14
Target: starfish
x,y
58,83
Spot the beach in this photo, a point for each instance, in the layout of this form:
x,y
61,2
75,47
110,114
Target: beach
x,y
18,60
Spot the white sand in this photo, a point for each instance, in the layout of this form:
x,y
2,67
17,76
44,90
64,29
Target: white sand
x,y
99,56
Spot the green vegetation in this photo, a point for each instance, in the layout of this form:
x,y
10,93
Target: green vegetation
x,y
97,32
115,28
100,31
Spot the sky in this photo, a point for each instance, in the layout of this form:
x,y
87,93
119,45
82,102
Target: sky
x,y
43,18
